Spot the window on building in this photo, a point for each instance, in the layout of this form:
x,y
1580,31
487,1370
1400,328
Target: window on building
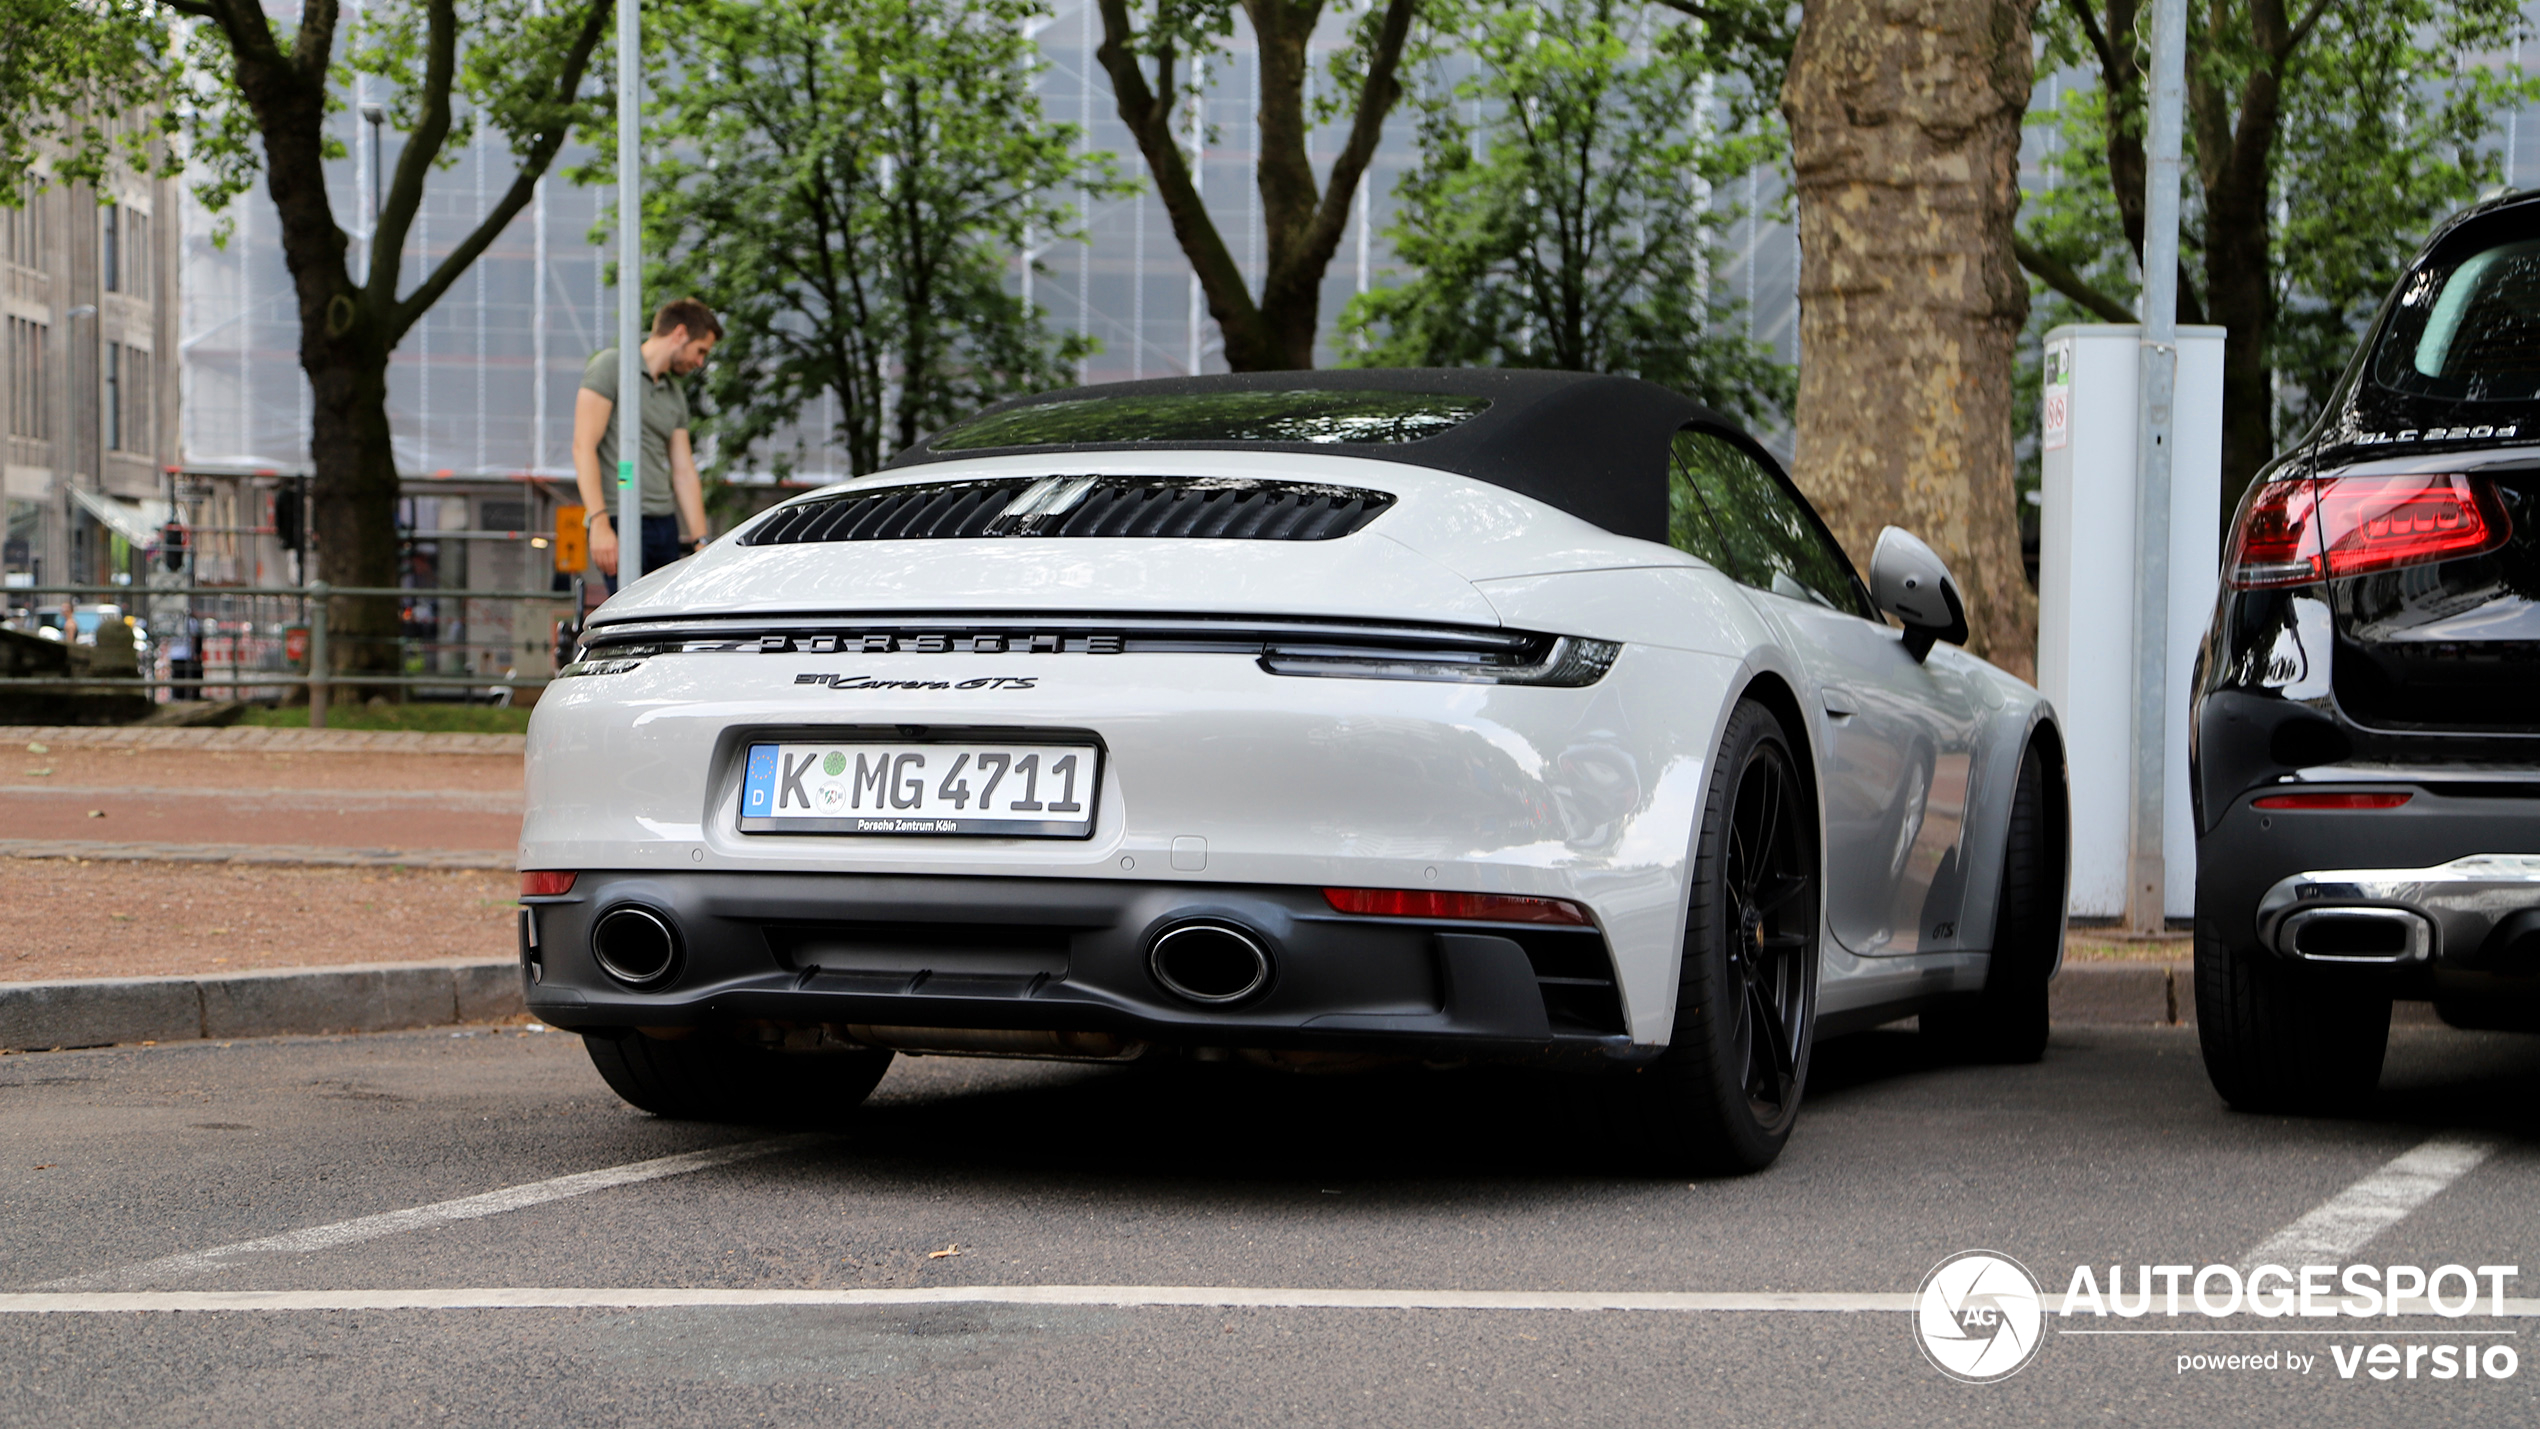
x,y
30,404
132,250
131,389
22,234
110,246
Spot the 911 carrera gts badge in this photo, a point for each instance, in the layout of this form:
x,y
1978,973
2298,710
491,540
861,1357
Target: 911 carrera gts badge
x,y
867,682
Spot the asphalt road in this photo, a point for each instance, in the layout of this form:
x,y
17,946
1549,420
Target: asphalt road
x,y
2112,1150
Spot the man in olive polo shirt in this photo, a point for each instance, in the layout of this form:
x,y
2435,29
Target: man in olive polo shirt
x,y
684,331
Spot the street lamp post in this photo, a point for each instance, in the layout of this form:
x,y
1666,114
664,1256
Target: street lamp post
x,y
2156,387
630,299
97,380
374,116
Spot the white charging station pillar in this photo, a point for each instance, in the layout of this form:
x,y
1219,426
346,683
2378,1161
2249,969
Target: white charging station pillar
x,y
2086,590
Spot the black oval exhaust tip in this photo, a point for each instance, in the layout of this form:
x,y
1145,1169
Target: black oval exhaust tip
x,y
1209,963
637,946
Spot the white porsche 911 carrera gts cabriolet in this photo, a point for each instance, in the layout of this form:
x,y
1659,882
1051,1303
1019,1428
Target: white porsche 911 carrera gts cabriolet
x,y
1302,719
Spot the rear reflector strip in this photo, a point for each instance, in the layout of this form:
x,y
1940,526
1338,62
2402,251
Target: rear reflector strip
x,y
2333,801
545,883
1484,907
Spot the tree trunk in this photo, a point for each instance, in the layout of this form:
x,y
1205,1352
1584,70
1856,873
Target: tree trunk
x,y
2240,295
353,485
1905,132
1302,220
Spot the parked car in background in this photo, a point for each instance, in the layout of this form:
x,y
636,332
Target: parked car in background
x,y
2366,760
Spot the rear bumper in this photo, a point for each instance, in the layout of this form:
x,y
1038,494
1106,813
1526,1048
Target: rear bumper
x,y
845,951
2448,881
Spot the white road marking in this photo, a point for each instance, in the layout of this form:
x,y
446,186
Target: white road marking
x,y
2343,1223
465,1208
1221,1297
1112,1296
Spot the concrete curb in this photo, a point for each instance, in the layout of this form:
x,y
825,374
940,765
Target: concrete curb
x,y
265,740
372,997
383,997
2116,994
294,855
2156,995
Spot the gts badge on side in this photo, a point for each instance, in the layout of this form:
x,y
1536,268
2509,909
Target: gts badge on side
x,y
867,682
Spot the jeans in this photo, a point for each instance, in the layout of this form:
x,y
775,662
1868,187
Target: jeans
x,y
661,545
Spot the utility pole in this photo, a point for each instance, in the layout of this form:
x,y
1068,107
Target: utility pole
x,y
2156,389
630,299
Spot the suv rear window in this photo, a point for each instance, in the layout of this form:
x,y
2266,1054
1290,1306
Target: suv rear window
x,y
1318,417
2467,330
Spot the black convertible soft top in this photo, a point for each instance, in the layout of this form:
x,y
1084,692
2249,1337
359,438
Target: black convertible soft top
x,y
1590,445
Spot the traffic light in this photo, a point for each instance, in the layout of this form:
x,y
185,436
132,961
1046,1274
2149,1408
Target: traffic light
x,y
290,516
172,545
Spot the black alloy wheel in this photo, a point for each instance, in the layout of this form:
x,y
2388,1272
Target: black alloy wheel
x,y
1770,867
1725,1095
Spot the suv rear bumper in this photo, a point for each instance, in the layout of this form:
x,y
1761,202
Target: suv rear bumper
x,y
870,956
2481,911
2448,880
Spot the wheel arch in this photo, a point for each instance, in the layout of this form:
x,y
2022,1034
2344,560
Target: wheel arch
x,y
1767,682
2017,728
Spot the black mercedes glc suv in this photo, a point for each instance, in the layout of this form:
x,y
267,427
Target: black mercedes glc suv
x,y
2366,756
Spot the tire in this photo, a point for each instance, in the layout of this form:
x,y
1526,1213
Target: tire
x,y
1723,1097
2281,1036
709,1078
2007,1022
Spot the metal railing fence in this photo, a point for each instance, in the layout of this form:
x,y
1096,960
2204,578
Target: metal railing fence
x,y
240,638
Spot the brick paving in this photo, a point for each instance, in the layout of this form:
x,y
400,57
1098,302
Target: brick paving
x,y
83,917
237,850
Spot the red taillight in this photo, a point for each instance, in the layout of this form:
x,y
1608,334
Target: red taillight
x,y
2296,532
2373,524
1488,907
545,883
2272,543
2332,801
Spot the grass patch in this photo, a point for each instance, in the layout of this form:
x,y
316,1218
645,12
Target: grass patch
x,y
430,718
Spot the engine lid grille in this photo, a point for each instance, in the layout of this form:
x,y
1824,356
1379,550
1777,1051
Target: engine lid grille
x,y
1196,508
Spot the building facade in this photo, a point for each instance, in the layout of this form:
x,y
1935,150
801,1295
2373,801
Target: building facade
x,y
89,359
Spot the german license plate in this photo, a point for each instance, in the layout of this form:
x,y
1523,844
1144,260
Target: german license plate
x,y
1003,790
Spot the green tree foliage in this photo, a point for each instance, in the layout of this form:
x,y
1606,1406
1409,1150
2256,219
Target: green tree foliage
x,y
2323,141
69,70
848,182
1562,214
1157,53
252,93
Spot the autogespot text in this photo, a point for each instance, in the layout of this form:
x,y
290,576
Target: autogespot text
x,y
2317,1292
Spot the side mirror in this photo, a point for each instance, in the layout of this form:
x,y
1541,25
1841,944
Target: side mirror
x,y
1911,582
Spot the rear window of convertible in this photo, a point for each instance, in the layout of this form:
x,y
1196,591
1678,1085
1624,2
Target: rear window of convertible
x,y
1319,417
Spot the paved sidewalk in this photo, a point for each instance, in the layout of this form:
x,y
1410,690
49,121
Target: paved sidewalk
x,y
241,737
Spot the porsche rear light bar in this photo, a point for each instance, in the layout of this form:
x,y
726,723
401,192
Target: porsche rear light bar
x,y
2326,528
1483,907
2390,800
